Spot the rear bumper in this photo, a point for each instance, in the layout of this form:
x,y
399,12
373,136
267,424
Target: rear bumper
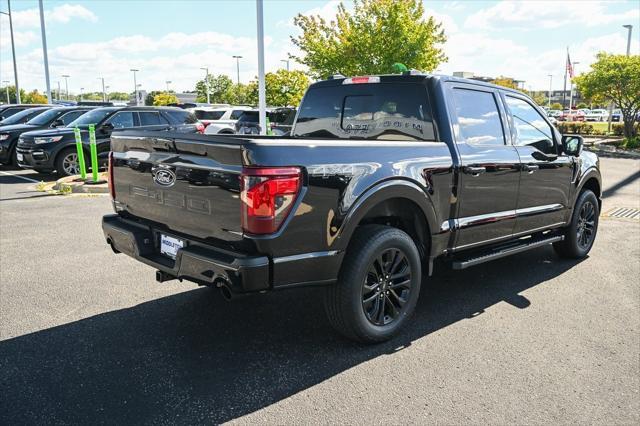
x,y
207,265
195,262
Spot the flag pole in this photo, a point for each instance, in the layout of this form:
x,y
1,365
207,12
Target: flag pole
x,y
564,90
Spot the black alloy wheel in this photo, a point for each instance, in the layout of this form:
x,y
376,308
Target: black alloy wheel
x,y
387,287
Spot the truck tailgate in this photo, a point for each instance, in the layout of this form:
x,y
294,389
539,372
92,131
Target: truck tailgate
x,y
189,184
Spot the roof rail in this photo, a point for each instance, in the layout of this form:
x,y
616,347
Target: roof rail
x,y
336,76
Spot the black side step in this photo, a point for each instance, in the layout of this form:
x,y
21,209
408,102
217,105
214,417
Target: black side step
x,y
497,253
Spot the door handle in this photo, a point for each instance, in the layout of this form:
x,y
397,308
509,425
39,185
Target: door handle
x,y
530,168
474,171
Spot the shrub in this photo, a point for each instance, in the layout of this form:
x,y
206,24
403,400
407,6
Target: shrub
x,y
631,143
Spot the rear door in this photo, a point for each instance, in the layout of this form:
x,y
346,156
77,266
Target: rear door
x,y
546,174
489,166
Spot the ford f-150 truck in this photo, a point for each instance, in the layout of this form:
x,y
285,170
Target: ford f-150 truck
x,y
380,176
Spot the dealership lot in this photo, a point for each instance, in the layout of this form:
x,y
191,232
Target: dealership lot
x,y
89,336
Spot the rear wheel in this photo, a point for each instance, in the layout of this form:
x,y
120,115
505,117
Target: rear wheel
x,y
581,232
378,285
67,162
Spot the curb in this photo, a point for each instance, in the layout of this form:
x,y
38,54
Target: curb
x,y
79,187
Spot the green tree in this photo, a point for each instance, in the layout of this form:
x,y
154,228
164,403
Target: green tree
x,y
615,78
164,98
12,94
118,96
285,88
220,89
556,105
245,94
34,97
505,82
582,105
371,39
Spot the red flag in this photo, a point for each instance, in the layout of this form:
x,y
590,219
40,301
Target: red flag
x,y
569,65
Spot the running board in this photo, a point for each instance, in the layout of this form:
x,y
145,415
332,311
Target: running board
x,y
504,252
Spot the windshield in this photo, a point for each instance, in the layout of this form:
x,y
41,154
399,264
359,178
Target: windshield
x,y
391,111
22,116
43,119
92,117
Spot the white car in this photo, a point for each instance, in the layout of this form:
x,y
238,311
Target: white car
x,y
223,120
597,115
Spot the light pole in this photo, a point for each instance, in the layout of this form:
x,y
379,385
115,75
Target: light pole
x,y
629,28
168,83
13,52
66,85
81,89
58,89
6,86
573,67
262,103
135,86
44,52
104,93
237,58
206,82
107,88
287,61
550,84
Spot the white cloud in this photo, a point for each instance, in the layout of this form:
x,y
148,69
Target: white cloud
x,y
30,18
532,15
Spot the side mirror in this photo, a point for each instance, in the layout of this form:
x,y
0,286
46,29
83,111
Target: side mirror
x,y
57,123
572,145
106,128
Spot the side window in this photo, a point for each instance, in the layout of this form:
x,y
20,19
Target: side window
x,y
236,113
70,116
478,117
530,128
122,120
151,118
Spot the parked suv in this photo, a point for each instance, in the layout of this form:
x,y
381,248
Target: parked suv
x,y
50,118
381,176
280,121
7,110
23,116
225,124
55,149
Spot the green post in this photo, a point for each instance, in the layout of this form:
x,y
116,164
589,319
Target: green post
x,y
94,152
269,132
83,170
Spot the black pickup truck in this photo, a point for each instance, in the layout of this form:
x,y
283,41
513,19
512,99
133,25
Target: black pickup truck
x,y
381,175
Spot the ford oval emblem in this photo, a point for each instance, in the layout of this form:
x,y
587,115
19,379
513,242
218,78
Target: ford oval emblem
x,y
164,177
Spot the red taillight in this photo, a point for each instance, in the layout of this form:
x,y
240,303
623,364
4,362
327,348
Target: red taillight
x,y
361,80
267,195
112,188
200,127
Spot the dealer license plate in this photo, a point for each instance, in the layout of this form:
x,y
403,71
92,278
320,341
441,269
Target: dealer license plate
x,y
169,245
19,156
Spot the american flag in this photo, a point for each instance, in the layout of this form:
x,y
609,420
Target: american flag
x,y
569,66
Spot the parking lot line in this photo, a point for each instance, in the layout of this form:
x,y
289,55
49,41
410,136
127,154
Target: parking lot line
x,y
19,177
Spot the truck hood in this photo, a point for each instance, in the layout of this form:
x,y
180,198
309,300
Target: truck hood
x,y
17,128
53,132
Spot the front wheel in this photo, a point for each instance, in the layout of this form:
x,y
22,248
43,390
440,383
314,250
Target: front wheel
x,y
581,232
67,162
378,285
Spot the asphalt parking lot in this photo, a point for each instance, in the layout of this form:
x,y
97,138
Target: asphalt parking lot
x,y
89,337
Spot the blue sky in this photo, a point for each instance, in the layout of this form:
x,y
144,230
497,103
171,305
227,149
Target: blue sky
x,y
171,40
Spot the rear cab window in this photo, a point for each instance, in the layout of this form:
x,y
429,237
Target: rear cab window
x,y
383,111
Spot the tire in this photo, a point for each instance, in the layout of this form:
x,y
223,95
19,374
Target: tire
x,y
581,232
63,168
352,304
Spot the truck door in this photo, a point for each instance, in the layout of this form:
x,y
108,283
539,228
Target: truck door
x,y
546,174
488,175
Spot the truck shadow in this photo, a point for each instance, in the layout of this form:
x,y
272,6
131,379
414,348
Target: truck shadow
x,y
193,358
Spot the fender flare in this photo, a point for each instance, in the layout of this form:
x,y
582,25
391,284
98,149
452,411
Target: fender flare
x,y
396,188
592,172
